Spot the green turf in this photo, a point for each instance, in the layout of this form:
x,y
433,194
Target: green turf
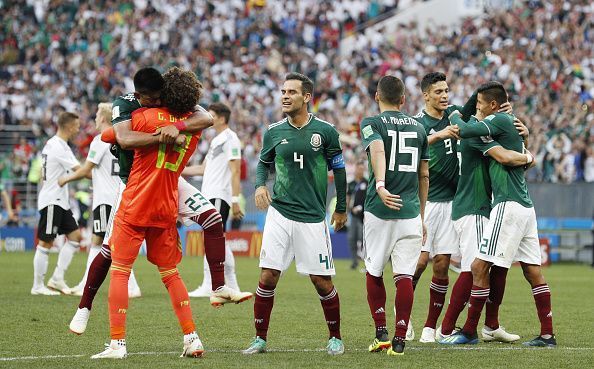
x,y
37,326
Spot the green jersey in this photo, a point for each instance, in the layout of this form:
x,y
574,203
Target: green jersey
x,y
405,145
301,158
508,183
443,157
121,111
473,195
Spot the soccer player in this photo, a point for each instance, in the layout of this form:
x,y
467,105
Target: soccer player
x,y
142,215
54,207
442,240
511,233
102,167
470,213
356,192
221,185
301,147
394,229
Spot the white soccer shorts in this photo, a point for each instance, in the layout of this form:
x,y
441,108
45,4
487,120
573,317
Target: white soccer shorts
x,y
191,202
396,239
441,236
308,243
112,215
470,231
510,235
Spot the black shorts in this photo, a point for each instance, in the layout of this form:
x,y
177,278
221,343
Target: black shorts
x,y
101,219
223,209
54,221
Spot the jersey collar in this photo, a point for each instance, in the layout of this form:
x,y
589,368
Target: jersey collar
x,y
303,126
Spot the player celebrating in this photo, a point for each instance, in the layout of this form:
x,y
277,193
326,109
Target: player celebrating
x,y
301,147
394,208
142,215
221,185
511,233
102,167
54,207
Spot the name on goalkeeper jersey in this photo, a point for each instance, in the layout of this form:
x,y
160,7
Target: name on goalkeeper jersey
x,y
400,121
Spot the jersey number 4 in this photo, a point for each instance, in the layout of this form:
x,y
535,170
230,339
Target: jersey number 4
x,y
401,137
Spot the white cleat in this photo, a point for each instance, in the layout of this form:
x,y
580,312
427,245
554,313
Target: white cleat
x,y
59,286
193,348
428,335
79,321
498,334
439,336
410,332
224,295
115,350
200,292
43,291
134,293
77,290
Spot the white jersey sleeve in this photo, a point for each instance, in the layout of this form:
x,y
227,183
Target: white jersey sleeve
x,y
97,150
233,147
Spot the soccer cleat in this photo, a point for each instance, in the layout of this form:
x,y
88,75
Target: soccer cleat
x,y
59,286
224,295
397,347
410,332
335,346
77,290
79,321
193,348
427,335
257,346
200,292
380,344
540,341
439,336
498,334
44,291
134,292
460,338
115,350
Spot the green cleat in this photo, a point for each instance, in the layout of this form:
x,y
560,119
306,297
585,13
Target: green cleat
x,y
257,346
335,346
397,347
379,345
540,341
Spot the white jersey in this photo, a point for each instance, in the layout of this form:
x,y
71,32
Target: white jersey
x,y
57,160
105,173
216,183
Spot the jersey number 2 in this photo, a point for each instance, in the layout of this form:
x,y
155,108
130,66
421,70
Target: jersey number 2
x,y
179,149
403,149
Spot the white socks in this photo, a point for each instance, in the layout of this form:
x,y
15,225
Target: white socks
x,y
132,284
40,261
64,259
230,276
93,251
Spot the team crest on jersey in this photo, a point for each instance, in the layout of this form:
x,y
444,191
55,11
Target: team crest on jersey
x,y
316,141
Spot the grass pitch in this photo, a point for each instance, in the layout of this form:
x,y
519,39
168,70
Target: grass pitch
x,y
35,328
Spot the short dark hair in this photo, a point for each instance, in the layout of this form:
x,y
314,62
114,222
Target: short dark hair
x,y
430,79
222,110
181,92
65,118
493,90
307,84
148,80
390,89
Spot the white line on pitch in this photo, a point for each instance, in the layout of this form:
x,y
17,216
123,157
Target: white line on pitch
x,y
156,353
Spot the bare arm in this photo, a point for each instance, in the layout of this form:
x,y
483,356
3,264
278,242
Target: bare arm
x,y
510,158
235,166
8,205
201,119
423,185
194,170
129,139
83,172
378,165
448,132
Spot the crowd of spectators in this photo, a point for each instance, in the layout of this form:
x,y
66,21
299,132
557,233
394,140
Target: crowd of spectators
x,y
70,55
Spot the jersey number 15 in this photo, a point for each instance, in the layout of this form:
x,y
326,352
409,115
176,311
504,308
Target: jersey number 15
x,y
401,137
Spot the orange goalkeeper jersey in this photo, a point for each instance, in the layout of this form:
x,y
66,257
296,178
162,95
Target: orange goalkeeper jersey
x,y
150,197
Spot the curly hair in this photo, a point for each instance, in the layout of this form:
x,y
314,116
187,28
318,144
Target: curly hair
x,y
181,92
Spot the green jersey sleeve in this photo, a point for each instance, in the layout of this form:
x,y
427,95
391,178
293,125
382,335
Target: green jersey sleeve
x,y
332,144
123,107
267,154
425,146
485,127
369,133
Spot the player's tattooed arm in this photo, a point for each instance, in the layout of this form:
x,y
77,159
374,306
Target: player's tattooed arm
x,y
129,139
